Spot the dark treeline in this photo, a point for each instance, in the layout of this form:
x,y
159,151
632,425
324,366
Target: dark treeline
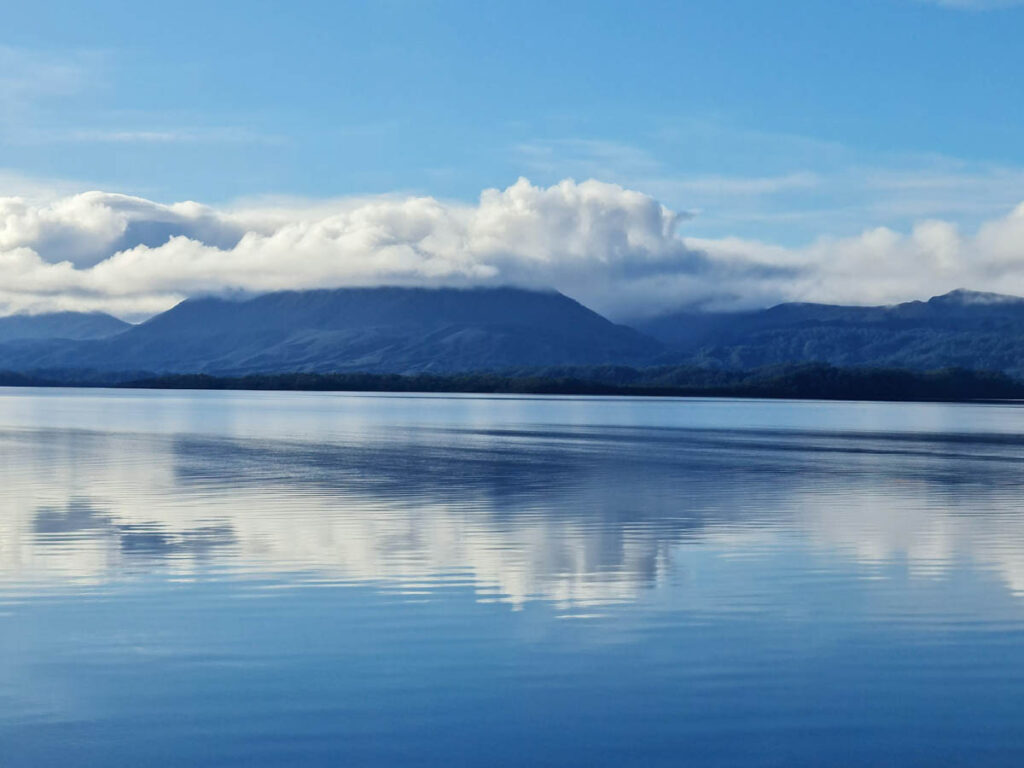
x,y
810,380
819,381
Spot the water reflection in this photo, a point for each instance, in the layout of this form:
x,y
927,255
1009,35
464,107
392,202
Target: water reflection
x,y
580,515
274,579
80,519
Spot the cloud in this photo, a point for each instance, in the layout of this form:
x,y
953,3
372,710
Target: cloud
x,y
208,135
750,185
803,186
98,249
35,188
615,249
29,75
33,81
54,97
882,266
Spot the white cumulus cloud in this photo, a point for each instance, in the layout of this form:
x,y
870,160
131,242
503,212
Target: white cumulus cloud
x,y
617,250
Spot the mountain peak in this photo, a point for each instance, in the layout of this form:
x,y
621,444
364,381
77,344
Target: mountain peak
x,y
381,329
965,297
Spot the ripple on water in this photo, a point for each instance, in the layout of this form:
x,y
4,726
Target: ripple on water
x,y
256,578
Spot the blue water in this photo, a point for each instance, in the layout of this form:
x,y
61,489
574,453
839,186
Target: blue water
x,y
255,579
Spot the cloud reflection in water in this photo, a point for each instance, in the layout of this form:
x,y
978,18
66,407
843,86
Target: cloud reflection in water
x,y
580,516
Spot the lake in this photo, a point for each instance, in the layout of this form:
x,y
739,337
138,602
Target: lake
x,y
251,579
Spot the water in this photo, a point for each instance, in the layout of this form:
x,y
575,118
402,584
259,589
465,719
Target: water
x,y
327,579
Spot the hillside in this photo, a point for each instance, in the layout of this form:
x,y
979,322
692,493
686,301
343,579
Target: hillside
x,y
443,331
398,330
60,325
965,329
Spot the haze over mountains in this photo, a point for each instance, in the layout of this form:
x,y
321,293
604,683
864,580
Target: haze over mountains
x,y
446,330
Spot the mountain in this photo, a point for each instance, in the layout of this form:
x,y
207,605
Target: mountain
x,y
447,330
60,325
959,329
398,330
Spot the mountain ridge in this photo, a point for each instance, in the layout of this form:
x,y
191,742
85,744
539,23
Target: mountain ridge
x,y
373,329
60,325
449,330
961,328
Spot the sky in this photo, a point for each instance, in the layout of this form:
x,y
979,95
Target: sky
x,y
637,156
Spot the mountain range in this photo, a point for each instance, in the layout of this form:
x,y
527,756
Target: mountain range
x,y
351,329
967,329
446,330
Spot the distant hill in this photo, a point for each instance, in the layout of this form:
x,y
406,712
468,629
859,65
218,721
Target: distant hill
x,y
981,331
401,330
60,325
447,330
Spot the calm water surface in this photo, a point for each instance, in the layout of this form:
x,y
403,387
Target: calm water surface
x,y
327,579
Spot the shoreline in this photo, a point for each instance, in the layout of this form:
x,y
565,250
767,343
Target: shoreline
x,y
798,382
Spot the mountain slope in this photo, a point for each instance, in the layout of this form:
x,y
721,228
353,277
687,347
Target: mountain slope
x,y
60,325
407,330
962,328
357,329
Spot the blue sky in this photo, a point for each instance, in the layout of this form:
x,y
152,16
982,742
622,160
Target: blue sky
x,y
783,132
777,120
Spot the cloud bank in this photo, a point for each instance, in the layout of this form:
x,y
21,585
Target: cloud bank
x,y
615,249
